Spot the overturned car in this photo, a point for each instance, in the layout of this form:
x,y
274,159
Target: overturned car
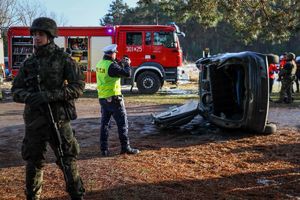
x,y
233,90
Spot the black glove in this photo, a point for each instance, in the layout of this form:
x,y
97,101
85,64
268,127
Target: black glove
x,y
126,61
37,98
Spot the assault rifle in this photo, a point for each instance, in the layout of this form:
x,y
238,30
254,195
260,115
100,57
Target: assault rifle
x,y
55,134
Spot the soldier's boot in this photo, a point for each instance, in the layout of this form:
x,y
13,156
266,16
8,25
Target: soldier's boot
x,y
75,186
129,150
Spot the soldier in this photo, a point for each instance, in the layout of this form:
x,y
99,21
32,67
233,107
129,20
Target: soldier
x,y
109,74
48,79
287,77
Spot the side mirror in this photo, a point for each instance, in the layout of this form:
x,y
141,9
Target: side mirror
x,y
181,34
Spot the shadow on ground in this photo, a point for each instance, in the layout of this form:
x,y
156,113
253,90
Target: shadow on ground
x,y
276,184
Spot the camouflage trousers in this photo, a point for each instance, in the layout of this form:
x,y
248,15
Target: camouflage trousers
x,y
37,136
286,90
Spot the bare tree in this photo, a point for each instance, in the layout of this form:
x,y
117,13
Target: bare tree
x,y
23,12
8,13
28,10
61,20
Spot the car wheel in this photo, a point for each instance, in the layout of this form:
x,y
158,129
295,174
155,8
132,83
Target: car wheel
x,y
148,82
270,128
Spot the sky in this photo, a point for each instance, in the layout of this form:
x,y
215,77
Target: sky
x,y
81,12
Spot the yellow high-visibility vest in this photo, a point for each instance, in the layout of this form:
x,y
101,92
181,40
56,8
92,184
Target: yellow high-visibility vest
x,y
106,86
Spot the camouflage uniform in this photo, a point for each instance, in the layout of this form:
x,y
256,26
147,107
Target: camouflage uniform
x,y
287,75
61,82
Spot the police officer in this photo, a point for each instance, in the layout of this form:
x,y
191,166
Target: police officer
x,y
109,74
48,77
287,76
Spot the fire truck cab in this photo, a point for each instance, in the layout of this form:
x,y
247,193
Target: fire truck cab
x,y
154,51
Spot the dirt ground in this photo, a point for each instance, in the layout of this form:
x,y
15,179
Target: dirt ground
x,y
192,162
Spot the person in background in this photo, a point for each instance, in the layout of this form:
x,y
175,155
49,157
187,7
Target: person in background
x,y
48,82
109,74
282,60
206,53
287,77
272,70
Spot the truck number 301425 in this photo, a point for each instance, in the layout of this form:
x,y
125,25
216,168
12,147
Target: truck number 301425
x,y
134,49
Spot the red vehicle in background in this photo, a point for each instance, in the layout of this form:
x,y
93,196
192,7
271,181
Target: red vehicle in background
x,y
154,51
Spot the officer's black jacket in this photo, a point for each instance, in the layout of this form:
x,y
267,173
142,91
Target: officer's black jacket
x,y
118,69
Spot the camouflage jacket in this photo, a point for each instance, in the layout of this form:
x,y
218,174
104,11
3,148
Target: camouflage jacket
x,y
289,70
59,76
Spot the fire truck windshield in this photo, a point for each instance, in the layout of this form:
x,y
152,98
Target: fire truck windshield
x,y
166,39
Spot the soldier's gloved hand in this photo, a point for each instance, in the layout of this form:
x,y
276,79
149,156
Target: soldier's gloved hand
x,y
37,98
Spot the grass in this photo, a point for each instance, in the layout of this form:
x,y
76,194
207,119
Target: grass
x,y
169,94
166,96
159,99
296,102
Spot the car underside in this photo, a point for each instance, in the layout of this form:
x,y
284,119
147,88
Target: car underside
x,y
233,90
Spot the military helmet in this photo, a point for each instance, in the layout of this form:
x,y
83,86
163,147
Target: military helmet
x,y
44,24
290,56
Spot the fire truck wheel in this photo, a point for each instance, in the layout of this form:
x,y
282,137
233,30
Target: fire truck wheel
x,y
148,82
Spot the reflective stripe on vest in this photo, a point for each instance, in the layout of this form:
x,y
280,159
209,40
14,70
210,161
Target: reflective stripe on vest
x,y
107,86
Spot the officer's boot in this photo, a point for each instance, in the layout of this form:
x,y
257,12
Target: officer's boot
x,y
104,148
128,150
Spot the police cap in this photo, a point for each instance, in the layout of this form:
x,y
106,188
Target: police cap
x,y
110,49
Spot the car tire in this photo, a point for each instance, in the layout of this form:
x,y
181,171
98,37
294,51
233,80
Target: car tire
x,y
148,82
270,128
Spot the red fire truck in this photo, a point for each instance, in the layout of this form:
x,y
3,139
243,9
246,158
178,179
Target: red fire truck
x,y
154,50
